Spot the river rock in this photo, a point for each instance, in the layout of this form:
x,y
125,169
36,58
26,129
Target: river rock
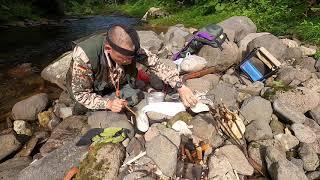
x,y
65,98
312,84
163,153
313,175
294,53
221,59
257,153
10,169
288,114
9,144
199,84
290,43
307,63
297,162
258,130
193,63
256,108
230,79
300,99
246,40
56,71
237,27
212,78
289,74
202,128
48,119
224,93
103,162
288,141
154,13
253,89
150,40
280,168
237,159
29,108
219,167
276,126
303,133
309,157
175,38
315,114
22,127
172,135
105,119
56,164
308,51
66,131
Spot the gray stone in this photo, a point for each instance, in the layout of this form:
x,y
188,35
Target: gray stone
x,y
290,43
199,84
288,141
138,175
287,114
29,108
172,135
150,41
257,153
309,157
223,93
164,153
135,146
65,132
297,162
253,89
313,84
256,108
105,119
289,74
258,130
237,27
65,112
303,133
10,169
294,53
22,127
280,168
156,117
56,72
243,44
212,78
313,175
276,126
219,166
154,13
65,98
237,159
56,164
155,82
308,51
230,79
313,125
175,38
221,60
193,63
271,43
9,144
307,63
202,128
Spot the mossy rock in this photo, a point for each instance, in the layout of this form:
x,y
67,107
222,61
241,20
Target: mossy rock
x,y
182,116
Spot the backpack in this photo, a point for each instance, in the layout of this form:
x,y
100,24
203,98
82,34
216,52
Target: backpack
x,y
211,35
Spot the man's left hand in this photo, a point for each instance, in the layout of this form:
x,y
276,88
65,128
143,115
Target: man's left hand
x,y
187,96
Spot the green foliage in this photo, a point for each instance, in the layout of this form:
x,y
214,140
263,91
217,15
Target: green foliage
x,y
317,55
16,10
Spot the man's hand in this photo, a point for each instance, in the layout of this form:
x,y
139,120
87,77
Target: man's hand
x,y
187,96
116,105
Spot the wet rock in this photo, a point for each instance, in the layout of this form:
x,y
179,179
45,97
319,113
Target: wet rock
x,y
303,133
276,126
288,114
9,144
65,132
56,71
301,99
29,108
313,175
307,51
280,168
307,63
163,153
22,127
258,130
56,164
21,71
271,43
223,93
309,157
290,43
246,40
10,169
237,27
104,119
150,40
48,119
102,163
289,74
288,141
199,84
219,167
222,60
256,108
237,159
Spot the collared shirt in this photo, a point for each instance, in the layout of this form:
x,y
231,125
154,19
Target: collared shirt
x,y
82,77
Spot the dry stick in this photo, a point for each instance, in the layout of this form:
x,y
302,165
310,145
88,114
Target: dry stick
x,y
129,109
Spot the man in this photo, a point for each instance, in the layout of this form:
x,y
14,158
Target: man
x,y
102,63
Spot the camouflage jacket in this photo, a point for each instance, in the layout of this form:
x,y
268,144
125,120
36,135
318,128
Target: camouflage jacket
x,y
82,77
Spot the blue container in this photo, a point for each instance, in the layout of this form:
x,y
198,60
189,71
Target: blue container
x,y
251,70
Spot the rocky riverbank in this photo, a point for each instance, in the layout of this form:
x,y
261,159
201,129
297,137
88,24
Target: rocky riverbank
x,y
281,117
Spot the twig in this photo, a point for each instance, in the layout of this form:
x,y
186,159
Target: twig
x,y
135,158
129,109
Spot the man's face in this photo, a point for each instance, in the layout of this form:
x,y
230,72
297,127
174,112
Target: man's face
x,y
117,57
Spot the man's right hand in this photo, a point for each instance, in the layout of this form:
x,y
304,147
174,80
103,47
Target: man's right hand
x,y
116,105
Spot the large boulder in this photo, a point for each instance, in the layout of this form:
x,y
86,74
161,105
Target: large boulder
x,y
224,93
303,133
237,27
29,108
256,108
56,164
221,59
150,41
243,44
9,144
10,169
258,130
289,74
287,114
56,72
271,43
175,38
